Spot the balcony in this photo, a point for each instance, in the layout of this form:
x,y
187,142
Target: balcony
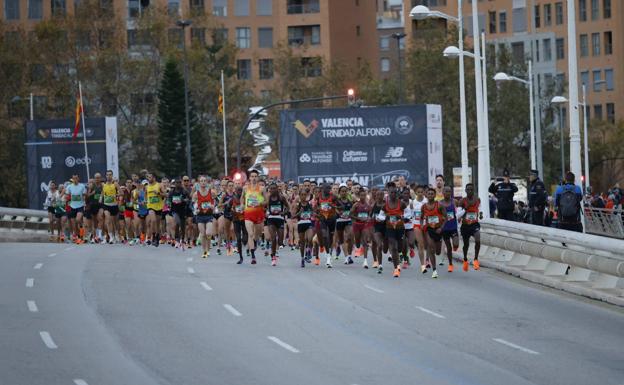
x,y
297,7
304,35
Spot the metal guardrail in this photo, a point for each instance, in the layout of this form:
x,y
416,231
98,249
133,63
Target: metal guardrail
x,y
606,222
23,219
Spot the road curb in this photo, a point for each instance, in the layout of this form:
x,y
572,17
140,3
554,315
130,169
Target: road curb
x,y
23,236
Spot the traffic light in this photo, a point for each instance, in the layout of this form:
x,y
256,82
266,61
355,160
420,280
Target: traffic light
x,y
351,96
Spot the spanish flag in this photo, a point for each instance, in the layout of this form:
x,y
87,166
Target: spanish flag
x,y
78,115
220,108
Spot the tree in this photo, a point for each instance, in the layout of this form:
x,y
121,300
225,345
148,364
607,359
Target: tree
x,y
171,121
606,156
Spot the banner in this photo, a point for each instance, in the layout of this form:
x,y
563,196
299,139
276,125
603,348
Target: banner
x,y
52,154
367,145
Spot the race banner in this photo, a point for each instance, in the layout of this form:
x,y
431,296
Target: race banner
x,y
52,154
367,145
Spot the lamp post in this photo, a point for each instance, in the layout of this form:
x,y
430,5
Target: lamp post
x,y
501,77
183,24
575,136
421,12
398,36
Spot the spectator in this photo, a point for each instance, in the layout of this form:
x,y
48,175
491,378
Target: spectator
x,y
504,192
537,199
568,198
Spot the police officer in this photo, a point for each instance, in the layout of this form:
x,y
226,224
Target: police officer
x,y
504,192
537,199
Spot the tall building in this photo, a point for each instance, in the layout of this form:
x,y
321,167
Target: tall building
x,y
537,30
389,31
334,30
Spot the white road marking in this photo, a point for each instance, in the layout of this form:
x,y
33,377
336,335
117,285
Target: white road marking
x,y
205,286
512,345
30,282
374,289
430,312
32,306
38,266
283,344
78,381
341,273
52,255
190,270
189,259
231,309
47,340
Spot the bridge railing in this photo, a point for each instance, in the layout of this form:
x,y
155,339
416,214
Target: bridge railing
x,y
23,219
606,222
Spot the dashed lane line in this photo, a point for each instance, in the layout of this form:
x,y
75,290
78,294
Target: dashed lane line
x,y
374,289
32,306
47,340
30,282
283,344
514,346
232,310
205,286
430,312
38,266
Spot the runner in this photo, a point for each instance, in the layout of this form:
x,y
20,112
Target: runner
x,y
48,205
433,219
303,215
326,211
155,203
419,233
95,210
470,225
410,234
238,220
449,232
129,211
76,193
380,243
277,207
253,199
179,199
205,208
110,190
395,228
228,214
362,226
139,199
343,224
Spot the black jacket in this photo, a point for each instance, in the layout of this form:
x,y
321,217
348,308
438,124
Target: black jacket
x,y
537,194
504,193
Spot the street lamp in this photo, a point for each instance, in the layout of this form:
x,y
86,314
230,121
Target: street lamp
x,y
503,77
183,24
398,36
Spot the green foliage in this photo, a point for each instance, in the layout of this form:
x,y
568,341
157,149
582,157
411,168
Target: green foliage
x,y
171,122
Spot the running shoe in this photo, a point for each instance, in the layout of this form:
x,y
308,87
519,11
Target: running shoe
x,y
218,251
365,264
359,251
405,264
205,255
475,264
375,264
397,273
379,269
390,258
465,266
412,253
240,261
338,251
328,263
348,261
441,263
450,268
317,261
302,262
428,263
273,261
423,269
266,253
253,261
434,274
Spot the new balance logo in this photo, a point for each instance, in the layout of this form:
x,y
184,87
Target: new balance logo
x,y
394,152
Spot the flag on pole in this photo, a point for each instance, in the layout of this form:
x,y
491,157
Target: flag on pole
x,y
220,102
78,115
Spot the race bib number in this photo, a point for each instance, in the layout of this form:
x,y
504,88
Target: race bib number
x,y
276,209
154,200
433,220
325,206
97,197
109,199
306,215
176,199
363,215
381,216
417,215
346,214
471,216
238,209
252,201
393,220
205,205
76,198
450,216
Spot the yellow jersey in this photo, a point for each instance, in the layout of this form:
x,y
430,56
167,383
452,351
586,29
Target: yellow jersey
x,y
109,194
154,201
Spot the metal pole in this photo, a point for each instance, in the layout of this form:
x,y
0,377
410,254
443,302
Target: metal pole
x,y
186,105
532,117
462,100
575,135
84,132
32,108
561,145
482,144
585,142
486,119
538,134
400,89
225,157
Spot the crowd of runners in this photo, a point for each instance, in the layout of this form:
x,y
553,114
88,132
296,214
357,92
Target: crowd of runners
x,y
401,222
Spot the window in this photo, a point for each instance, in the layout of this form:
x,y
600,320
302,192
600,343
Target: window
x,y
303,6
198,36
135,39
596,44
585,78
492,21
560,83
265,67
220,35
608,43
11,10
173,7
197,7
547,14
559,13
358,30
264,7
35,9
265,37
611,112
306,34
502,22
243,67
598,111
241,7
219,8
385,64
59,8
560,49
595,9
606,9
384,43
609,79
537,52
584,45
311,67
536,16
582,10
243,37
519,19
174,35
517,52
596,79
134,8
547,50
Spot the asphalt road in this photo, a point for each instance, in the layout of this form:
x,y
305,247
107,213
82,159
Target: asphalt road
x,y
113,315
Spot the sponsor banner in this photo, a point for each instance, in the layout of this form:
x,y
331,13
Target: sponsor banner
x,y
368,145
52,155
